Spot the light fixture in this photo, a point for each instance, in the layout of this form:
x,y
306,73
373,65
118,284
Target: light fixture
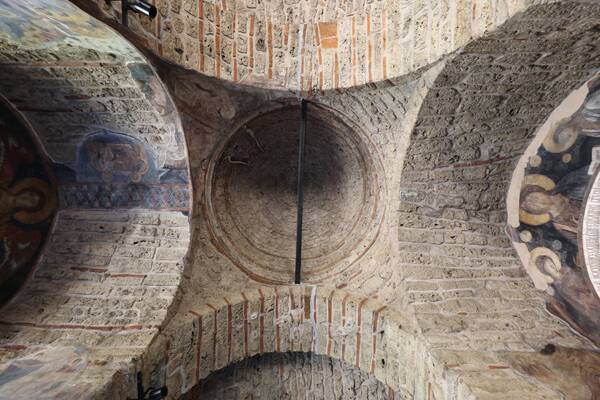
x,y
157,394
141,7
137,6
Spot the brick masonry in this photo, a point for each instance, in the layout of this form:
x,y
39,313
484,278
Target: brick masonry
x,y
468,289
466,142
105,284
291,376
108,277
360,331
439,307
309,45
453,270
71,96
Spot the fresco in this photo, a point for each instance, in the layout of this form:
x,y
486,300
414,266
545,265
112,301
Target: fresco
x,y
548,366
53,371
27,203
552,196
111,157
48,23
146,167
114,170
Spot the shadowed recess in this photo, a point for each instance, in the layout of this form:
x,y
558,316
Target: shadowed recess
x,y
293,376
253,195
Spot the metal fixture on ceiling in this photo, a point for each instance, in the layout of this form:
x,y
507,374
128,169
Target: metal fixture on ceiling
x,y
300,191
150,393
137,6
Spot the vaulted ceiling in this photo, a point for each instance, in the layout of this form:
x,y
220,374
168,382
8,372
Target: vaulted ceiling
x,y
173,248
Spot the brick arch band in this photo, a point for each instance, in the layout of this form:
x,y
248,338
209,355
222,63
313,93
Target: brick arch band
x,y
360,331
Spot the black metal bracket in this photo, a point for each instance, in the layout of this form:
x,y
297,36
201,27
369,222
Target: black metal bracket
x,y
124,10
300,192
136,6
140,386
151,393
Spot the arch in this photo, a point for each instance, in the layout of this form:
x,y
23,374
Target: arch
x,y
333,323
470,294
109,276
306,47
292,375
476,121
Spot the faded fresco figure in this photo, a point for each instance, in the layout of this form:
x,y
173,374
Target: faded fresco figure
x,y
27,205
108,159
543,201
113,159
552,198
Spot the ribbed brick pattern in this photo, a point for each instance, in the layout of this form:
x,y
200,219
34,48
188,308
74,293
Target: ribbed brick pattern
x,y
316,45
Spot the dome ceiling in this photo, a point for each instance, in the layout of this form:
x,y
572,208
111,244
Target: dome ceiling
x,y
430,299
253,196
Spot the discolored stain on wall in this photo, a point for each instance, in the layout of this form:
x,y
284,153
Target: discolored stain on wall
x,y
27,203
53,372
584,367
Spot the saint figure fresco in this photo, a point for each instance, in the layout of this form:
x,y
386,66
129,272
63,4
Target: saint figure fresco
x,y
27,203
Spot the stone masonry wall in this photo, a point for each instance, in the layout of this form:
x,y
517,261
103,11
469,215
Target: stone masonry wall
x,y
224,330
474,124
68,102
104,284
453,322
82,95
310,45
293,376
109,276
469,291
462,303
214,291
